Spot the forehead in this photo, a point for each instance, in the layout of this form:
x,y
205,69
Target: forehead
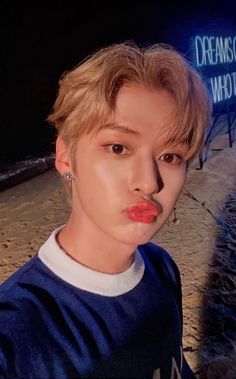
x,y
144,110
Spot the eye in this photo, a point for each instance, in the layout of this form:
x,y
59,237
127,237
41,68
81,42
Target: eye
x,y
118,149
171,158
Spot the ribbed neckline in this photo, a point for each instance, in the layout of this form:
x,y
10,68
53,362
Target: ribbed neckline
x,y
86,278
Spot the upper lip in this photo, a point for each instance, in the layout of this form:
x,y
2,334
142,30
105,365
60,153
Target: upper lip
x,y
144,207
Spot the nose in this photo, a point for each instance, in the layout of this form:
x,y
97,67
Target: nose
x,y
145,177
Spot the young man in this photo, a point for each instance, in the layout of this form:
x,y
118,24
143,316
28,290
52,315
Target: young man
x,y
99,300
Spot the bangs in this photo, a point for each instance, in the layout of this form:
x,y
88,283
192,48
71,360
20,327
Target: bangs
x,y
184,129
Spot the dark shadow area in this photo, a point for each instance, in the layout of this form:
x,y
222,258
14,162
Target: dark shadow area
x,y
218,349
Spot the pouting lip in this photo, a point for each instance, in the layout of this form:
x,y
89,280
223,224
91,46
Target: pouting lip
x,y
145,207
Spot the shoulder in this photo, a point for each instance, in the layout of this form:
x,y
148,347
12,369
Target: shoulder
x,y
162,261
22,294
12,284
24,302
158,255
156,251
17,296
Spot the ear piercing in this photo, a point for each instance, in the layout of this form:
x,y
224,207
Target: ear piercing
x,y
67,175
176,219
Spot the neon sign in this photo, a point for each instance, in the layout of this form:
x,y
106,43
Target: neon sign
x,y
215,52
223,86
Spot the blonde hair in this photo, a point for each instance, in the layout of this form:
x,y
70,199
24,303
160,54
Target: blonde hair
x,y
88,93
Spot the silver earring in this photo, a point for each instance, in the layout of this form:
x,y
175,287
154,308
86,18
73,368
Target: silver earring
x,y
176,220
67,176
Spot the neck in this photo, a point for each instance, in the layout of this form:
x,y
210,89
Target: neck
x,y
95,249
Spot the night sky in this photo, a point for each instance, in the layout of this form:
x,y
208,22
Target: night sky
x,y
42,39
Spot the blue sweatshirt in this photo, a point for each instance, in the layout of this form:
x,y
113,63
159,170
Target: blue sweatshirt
x,y
60,319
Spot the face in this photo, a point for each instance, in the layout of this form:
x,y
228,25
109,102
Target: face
x,y
127,179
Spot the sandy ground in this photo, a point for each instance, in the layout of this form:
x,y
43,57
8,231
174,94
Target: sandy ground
x,y
31,210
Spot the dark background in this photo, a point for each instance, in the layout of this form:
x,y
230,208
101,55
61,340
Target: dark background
x,y
42,39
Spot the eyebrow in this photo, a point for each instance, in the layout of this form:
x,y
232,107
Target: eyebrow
x,y
120,128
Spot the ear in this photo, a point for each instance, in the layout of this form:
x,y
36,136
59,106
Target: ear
x,y
62,162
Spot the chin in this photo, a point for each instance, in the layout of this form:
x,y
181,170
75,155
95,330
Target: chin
x,y
139,237
148,231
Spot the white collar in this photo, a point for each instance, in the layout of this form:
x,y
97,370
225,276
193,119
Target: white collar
x,y
86,278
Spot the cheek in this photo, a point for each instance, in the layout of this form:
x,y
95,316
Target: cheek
x,y
177,183
109,173
173,183
101,178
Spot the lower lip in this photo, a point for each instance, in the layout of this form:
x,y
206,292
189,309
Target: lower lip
x,y
144,217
